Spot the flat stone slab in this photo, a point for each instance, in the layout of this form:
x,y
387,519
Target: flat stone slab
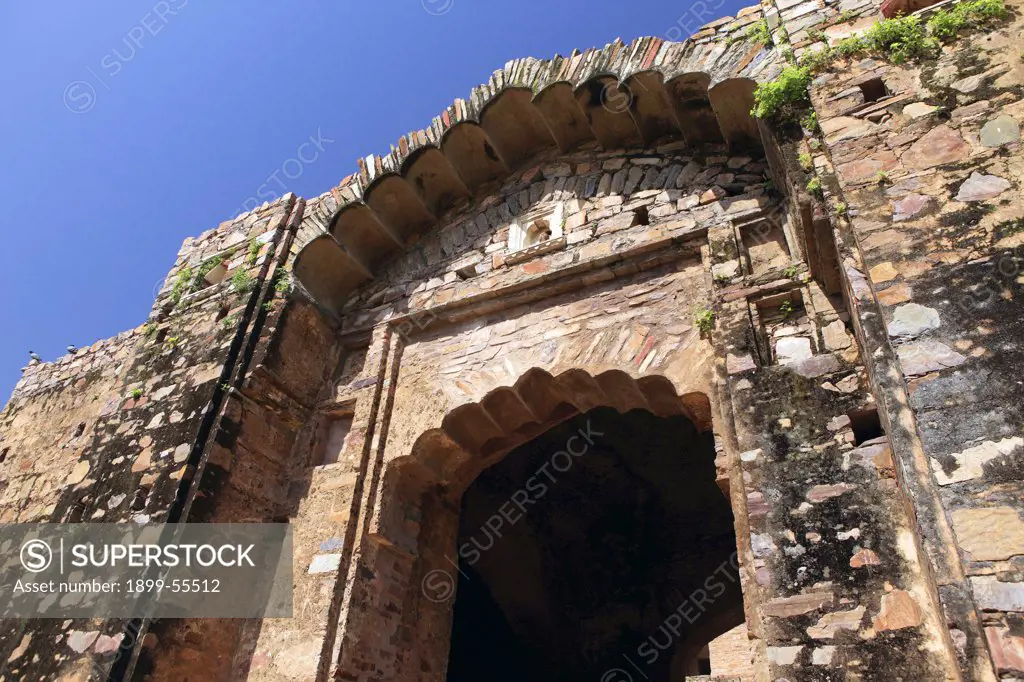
x,y
922,357
792,349
999,131
980,187
325,563
913,319
918,109
990,533
911,206
939,145
993,595
817,366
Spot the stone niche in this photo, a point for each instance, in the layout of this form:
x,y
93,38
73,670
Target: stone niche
x,y
535,232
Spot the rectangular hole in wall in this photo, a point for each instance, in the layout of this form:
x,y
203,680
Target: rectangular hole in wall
x,y
764,246
784,329
866,425
333,438
874,90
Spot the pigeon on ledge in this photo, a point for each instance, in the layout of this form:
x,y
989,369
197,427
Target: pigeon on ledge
x,y
34,356
72,349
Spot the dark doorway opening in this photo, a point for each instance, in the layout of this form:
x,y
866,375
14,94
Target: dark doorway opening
x,y
602,544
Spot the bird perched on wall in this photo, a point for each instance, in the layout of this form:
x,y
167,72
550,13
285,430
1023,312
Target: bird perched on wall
x,y
72,348
32,354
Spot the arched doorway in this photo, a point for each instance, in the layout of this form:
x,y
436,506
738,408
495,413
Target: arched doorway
x,y
599,544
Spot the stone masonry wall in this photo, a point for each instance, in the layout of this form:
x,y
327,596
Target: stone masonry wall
x,y
931,173
855,357
159,389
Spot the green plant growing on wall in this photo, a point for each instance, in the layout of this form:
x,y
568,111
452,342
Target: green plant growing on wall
x,y
705,321
229,322
814,187
135,393
282,282
785,95
242,281
847,16
810,123
881,178
805,160
791,271
171,342
182,284
759,32
898,39
841,209
205,268
945,24
254,252
786,309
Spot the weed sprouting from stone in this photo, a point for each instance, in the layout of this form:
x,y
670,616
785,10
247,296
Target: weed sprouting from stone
x,y
705,321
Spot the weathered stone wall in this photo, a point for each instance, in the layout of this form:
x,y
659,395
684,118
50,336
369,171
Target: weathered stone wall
x,y
931,175
854,357
154,396
49,422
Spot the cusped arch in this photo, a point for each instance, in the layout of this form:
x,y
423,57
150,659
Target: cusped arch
x,y
516,125
357,228
328,272
398,206
622,96
688,93
732,100
474,435
609,110
651,107
472,153
435,179
566,119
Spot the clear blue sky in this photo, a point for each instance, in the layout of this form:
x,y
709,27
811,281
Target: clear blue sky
x,y
127,127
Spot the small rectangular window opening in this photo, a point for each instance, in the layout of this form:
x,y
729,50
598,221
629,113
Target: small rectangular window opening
x,y
866,424
874,90
334,432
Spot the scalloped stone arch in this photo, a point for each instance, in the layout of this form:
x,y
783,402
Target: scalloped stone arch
x,y
420,488
621,96
472,436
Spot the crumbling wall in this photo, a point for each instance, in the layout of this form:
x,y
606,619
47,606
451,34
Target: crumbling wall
x,y
49,421
161,388
927,158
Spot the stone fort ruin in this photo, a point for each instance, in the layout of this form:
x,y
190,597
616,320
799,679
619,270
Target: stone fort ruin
x,y
599,377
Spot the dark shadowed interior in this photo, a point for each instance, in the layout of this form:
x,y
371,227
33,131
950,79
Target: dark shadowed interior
x,y
618,556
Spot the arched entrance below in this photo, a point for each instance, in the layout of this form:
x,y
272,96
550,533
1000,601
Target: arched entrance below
x,y
592,539
603,544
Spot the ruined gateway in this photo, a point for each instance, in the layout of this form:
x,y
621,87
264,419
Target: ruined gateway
x,y
587,381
